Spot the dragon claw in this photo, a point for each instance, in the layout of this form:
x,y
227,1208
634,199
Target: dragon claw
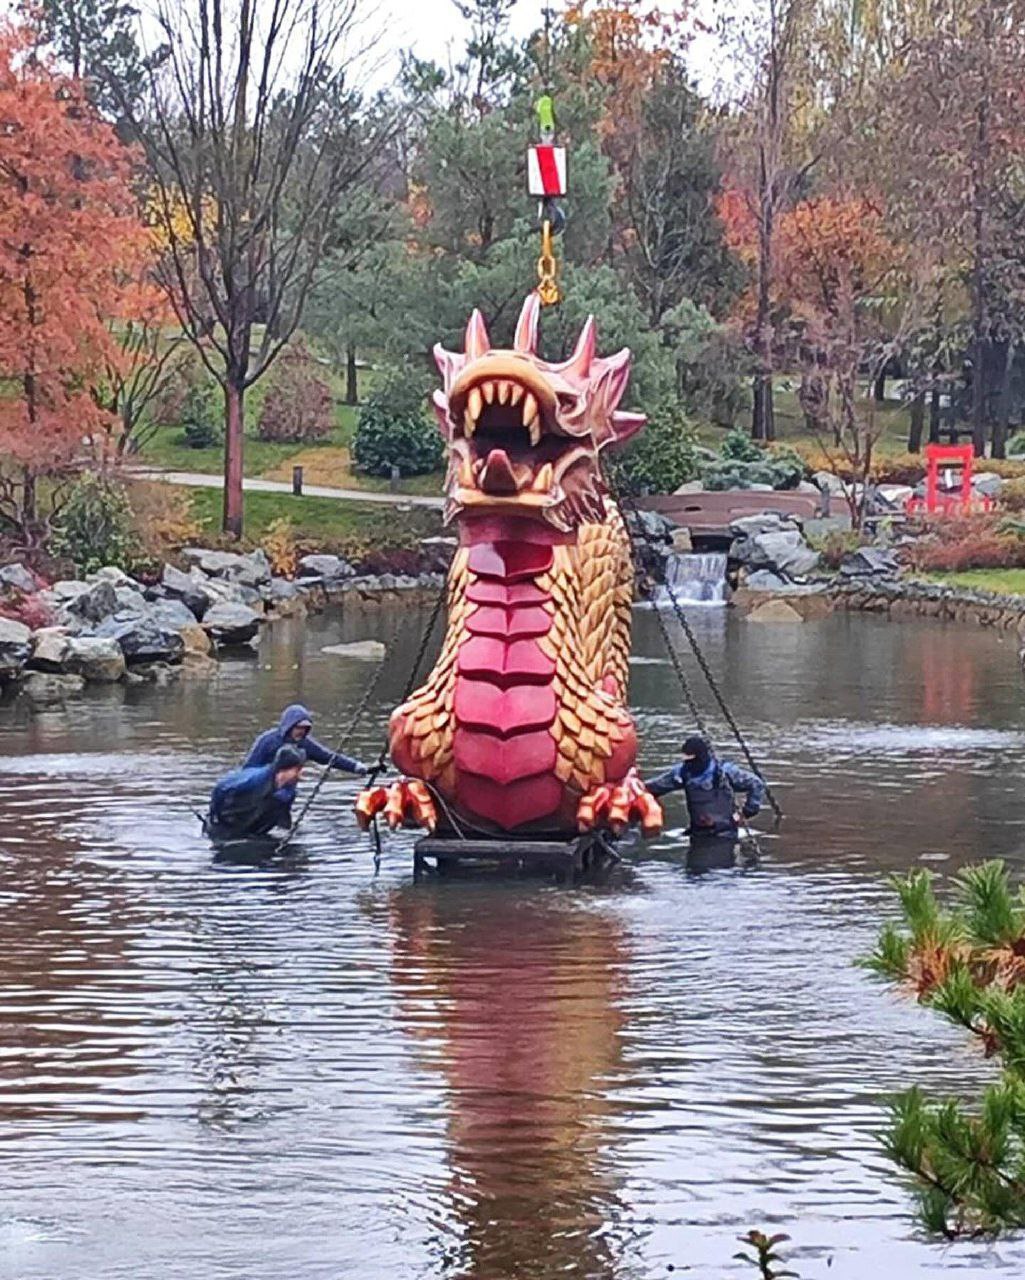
x,y
615,805
407,802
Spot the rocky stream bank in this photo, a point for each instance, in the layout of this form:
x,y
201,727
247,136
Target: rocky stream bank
x,y
108,627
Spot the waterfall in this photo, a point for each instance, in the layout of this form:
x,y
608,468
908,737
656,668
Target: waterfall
x,y
696,578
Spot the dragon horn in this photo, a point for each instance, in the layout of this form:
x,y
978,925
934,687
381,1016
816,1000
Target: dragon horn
x,y
579,362
526,327
477,342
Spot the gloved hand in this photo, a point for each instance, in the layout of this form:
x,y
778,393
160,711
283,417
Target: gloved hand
x,y
750,812
360,769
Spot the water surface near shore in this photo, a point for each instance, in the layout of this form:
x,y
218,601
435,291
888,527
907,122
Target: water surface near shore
x,y
211,1069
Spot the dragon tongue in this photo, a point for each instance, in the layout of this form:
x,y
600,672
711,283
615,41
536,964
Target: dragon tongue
x,y
499,475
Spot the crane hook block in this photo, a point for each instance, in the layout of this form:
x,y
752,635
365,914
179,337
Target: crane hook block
x,y
546,171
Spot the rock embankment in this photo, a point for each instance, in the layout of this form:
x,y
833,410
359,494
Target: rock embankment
x,y
108,627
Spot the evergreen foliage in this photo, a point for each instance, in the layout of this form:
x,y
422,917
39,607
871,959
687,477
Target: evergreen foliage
x,y
394,429
966,962
96,525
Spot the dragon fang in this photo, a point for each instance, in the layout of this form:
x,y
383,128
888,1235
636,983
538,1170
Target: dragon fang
x,y
522,725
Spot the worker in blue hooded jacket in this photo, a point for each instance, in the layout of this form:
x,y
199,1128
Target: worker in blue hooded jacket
x,y
294,729
710,787
253,801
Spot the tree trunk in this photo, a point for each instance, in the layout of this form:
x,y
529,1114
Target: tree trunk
x,y
351,384
763,419
1002,423
979,388
917,423
233,422
934,416
29,504
879,386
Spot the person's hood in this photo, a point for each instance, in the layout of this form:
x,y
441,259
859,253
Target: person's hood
x,y
293,715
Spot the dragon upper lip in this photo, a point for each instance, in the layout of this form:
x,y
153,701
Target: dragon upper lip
x,y
508,393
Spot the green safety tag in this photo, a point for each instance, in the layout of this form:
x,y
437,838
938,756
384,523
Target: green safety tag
x,y
546,114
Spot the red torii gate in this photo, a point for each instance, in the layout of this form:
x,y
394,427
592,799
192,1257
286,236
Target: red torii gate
x,y
960,501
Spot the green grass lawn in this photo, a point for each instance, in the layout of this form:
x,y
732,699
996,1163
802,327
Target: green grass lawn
x,y
325,462
323,520
1005,582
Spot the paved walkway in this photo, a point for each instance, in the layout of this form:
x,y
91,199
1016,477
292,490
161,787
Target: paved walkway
x,y
201,480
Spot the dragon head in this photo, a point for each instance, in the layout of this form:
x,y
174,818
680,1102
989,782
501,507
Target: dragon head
x,y
524,435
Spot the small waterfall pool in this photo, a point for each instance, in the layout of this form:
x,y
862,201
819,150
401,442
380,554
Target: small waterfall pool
x,y
696,577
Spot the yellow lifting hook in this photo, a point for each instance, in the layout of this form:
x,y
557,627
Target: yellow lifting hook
x,y
547,269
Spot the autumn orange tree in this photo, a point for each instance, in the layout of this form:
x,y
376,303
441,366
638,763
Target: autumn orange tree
x,y
70,236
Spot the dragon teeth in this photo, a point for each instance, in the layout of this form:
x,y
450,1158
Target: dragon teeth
x,y
489,391
515,393
474,405
504,389
530,419
543,480
469,423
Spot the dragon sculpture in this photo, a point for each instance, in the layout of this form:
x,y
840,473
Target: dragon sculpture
x,y
522,725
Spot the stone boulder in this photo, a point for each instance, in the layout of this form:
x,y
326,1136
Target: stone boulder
x,y
360,650
988,483
18,578
175,615
783,551
217,590
775,611
330,568
49,650
95,659
182,586
66,590
228,624
15,647
870,562
46,689
115,576
651,524
826,482
95,604
248,570
197,642
761,522
143,639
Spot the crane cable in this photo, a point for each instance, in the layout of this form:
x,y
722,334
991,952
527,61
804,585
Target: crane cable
x,y
631,507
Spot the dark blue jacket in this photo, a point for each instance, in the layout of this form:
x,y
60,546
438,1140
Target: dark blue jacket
x,y
245,803
266,746
678,777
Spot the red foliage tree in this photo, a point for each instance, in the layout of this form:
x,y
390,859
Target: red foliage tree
x,y
70,237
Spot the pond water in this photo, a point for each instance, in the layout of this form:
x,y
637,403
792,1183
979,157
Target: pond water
x,y
306,1070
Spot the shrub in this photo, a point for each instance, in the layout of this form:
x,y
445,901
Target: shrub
x,y
28,610
298,405
201,416
1012,495
1016,445
96,525
394,429
972,542
739,447
661,458
835,545
279,542
162,520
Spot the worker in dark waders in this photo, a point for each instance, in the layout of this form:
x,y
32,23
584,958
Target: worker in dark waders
x,y
710,787
249,803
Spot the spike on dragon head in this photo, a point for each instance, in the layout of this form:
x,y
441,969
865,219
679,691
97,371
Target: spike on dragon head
x,y
524,436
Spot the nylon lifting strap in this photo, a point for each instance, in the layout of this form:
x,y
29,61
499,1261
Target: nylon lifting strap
x,y
628,503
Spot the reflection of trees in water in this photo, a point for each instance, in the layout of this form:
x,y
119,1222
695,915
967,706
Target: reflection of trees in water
x,y
525,993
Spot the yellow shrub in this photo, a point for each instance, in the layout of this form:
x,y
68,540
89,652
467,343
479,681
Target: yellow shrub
x,y
162,518
279,542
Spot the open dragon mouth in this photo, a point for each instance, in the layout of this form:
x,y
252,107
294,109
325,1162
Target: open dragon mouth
x,y
508,450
